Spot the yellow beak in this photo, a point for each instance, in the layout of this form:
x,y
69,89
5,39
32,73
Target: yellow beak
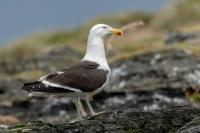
x,y
117,31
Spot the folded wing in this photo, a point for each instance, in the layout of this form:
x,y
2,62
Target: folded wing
x,y
82,77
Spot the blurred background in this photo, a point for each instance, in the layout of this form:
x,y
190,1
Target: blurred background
x,y
25,17
153,67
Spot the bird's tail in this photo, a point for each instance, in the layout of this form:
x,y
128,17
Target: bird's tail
x,y
34,86
38,86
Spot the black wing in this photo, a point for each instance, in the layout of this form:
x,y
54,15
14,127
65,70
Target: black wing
x,y
83,76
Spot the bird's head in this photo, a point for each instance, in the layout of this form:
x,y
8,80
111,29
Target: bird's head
x,y
102,30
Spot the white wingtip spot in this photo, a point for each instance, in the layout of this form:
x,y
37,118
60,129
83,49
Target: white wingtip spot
x,y
60,73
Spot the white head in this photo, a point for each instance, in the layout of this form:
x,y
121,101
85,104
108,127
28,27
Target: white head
x,y
102,30
95,45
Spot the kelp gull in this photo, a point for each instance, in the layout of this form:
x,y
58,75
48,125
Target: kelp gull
x,y
83,79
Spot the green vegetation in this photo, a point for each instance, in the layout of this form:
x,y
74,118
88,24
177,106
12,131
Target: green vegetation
x,y
194,97
75,39
30,75
179,13
182,15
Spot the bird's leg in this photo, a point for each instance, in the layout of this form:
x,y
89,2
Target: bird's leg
x,y
89,106
83,112
90,96
78,109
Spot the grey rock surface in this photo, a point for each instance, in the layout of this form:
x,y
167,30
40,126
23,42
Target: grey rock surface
x,y
191,127
121,121
47,62
168,69
146,92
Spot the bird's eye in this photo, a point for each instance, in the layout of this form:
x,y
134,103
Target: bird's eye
x,y
104,27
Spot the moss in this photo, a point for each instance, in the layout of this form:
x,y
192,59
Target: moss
x,y
194,97
33,127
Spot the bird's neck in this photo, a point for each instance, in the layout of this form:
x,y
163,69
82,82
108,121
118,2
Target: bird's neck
x,y
95,51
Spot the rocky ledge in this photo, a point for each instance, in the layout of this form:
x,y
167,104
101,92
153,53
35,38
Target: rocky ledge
x,y
181,119
149,93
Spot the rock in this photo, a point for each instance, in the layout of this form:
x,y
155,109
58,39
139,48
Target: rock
x,y
191,127
52,60
148,82
132,120
167,69
10,87
47,62
143,100
177,36
62,109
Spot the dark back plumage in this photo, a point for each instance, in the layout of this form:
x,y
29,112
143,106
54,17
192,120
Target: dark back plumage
x,y
84,76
